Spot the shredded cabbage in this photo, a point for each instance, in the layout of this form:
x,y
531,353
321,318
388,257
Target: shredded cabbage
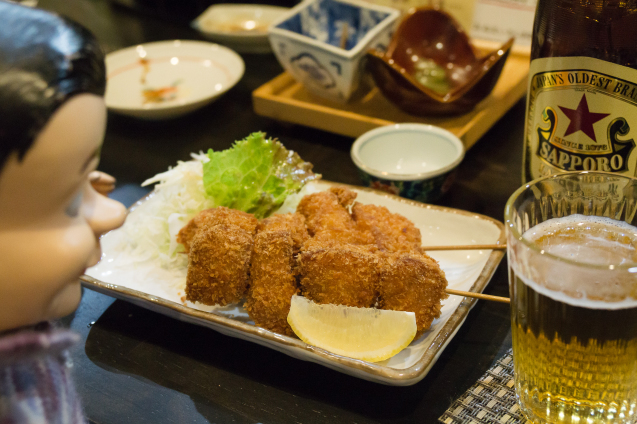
x,y
152,226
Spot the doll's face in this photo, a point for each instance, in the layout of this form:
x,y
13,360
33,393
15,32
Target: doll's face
x,y
50,216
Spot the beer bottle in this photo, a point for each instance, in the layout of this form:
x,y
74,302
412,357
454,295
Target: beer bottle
x,y
581,112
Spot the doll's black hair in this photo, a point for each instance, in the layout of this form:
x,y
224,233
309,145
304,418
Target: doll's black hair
x,y
45,59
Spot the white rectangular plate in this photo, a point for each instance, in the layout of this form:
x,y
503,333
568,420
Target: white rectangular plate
x,y
163,291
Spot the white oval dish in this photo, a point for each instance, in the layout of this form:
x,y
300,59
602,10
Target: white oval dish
x,y
242,27
146,284
167,79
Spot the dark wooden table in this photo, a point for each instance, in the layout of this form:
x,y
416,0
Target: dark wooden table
x,y
137,366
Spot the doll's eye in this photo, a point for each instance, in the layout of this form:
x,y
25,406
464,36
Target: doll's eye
x,y
73,209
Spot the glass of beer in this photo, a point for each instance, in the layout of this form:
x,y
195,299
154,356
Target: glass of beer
x,y
572,254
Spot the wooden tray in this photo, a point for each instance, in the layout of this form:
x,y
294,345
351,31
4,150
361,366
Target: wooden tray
x,y
287,100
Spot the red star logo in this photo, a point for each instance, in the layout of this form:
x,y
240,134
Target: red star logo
x,y
582,119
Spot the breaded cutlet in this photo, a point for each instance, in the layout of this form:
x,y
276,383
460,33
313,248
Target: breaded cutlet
x,y
272,280
412,282
292,222
322,211
218,264
341,274
216,216
327,219
392,232
344,195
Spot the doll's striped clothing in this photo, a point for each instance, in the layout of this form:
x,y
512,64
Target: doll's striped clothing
x,y
35,380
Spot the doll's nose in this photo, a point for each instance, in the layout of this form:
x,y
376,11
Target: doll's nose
x,y
101,213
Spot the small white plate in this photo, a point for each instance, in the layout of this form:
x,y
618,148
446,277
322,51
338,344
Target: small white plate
x,y
167,79
242,27
151,286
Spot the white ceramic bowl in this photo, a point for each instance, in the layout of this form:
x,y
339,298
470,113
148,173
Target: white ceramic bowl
x,y
307,42
242,27
416,161
167,79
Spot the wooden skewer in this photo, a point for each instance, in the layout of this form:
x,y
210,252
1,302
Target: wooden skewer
x,y
478,296
466,247
461,247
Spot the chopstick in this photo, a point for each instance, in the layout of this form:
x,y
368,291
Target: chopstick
x,y
478,296
344,36
466,247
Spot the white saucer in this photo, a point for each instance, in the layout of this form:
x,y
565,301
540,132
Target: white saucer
x,y
167,79
242,27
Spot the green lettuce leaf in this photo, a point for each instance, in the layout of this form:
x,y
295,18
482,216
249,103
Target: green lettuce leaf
x,y
255,175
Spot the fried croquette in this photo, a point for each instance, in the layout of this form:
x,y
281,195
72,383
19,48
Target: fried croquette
x,y
392,232
344,195
272,280
341,274
345,237
412,282
292,222
369,258
328,219
216,216
218,264
323,211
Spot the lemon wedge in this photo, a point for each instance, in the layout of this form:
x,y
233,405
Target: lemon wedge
x,y
369,334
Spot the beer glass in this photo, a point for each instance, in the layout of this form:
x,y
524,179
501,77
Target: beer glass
x,y
573,283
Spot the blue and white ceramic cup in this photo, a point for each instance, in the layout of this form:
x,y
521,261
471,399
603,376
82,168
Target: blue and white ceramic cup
x,y
416,161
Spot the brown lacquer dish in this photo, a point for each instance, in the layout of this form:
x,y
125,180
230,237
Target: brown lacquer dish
x,y
431,68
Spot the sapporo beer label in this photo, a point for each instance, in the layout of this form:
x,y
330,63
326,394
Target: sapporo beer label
x,y
581,116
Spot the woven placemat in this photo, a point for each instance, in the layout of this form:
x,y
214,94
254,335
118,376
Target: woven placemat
x,y
491,400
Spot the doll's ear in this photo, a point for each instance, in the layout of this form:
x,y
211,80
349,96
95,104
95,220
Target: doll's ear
x,y
101,182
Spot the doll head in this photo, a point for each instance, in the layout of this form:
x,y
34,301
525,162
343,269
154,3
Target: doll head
x,y
52,122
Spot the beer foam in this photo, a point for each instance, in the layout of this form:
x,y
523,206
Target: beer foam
x,y
588,240
583,302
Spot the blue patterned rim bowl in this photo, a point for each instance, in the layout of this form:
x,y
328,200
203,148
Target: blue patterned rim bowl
x,y
323,44
415,161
